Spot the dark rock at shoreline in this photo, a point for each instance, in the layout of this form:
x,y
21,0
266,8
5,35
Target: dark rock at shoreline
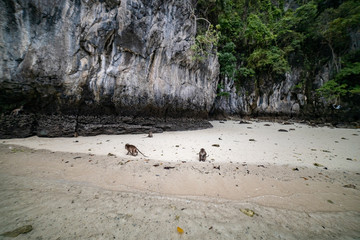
x,y
18,231
20,126
67,125
56,126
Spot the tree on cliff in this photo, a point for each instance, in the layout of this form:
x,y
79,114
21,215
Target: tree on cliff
x,y
337,27
260,40
206,39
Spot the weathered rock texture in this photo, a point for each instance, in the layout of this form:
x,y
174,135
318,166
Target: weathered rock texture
x,y
283,98
66,60
294,96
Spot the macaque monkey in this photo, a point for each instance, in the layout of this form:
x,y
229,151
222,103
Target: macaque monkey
x,y
150,134
132,150
202,155
16,111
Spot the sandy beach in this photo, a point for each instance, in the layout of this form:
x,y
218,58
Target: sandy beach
x,y
294,181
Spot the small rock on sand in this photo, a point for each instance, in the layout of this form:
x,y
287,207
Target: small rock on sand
x,y
350,186
248,212
18,231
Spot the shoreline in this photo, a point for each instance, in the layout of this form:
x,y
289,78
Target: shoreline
x,y
227,142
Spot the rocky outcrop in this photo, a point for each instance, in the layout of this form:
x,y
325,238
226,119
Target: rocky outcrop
x,y
26,125
285,97
67,60
293,97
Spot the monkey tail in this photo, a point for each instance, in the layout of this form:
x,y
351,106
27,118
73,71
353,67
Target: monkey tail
x,y
141,152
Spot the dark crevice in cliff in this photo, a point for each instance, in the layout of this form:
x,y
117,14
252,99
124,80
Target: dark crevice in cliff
x,y
151,65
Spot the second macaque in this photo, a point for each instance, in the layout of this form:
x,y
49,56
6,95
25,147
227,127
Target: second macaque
x,y
202,155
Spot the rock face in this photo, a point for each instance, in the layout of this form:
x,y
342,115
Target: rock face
x,y
274,98
293,97
66,60
125,66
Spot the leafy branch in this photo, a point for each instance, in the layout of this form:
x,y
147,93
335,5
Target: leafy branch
x,y
204,42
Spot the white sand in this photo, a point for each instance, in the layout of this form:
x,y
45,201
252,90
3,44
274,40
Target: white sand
x,y
303,146
74,190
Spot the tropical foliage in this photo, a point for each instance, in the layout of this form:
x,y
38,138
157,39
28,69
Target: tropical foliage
x,y
263,39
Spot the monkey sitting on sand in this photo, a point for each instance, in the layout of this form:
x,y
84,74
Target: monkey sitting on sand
x,y
132,150
202,155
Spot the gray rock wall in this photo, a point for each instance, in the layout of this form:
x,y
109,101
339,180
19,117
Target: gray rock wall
x,y
127,57
284,98
293,97
68,60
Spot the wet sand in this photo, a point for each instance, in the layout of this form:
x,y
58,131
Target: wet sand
x,y
301,184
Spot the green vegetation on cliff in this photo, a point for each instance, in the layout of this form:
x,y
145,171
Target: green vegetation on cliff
x,y
261,40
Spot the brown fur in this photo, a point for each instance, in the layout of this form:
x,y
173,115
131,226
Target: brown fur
x,y
132,150
16,111
202,155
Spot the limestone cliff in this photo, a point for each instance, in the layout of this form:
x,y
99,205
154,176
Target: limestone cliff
x,y
76,59
284,98
294,96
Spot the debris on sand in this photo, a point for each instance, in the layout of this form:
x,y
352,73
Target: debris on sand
x,y
318,165
123,163
180,230
167,168
18,231
215,145
217,167
282,130
350,186
248,212
244,122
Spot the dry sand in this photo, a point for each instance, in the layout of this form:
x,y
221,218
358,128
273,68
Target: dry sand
x,y
88,188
